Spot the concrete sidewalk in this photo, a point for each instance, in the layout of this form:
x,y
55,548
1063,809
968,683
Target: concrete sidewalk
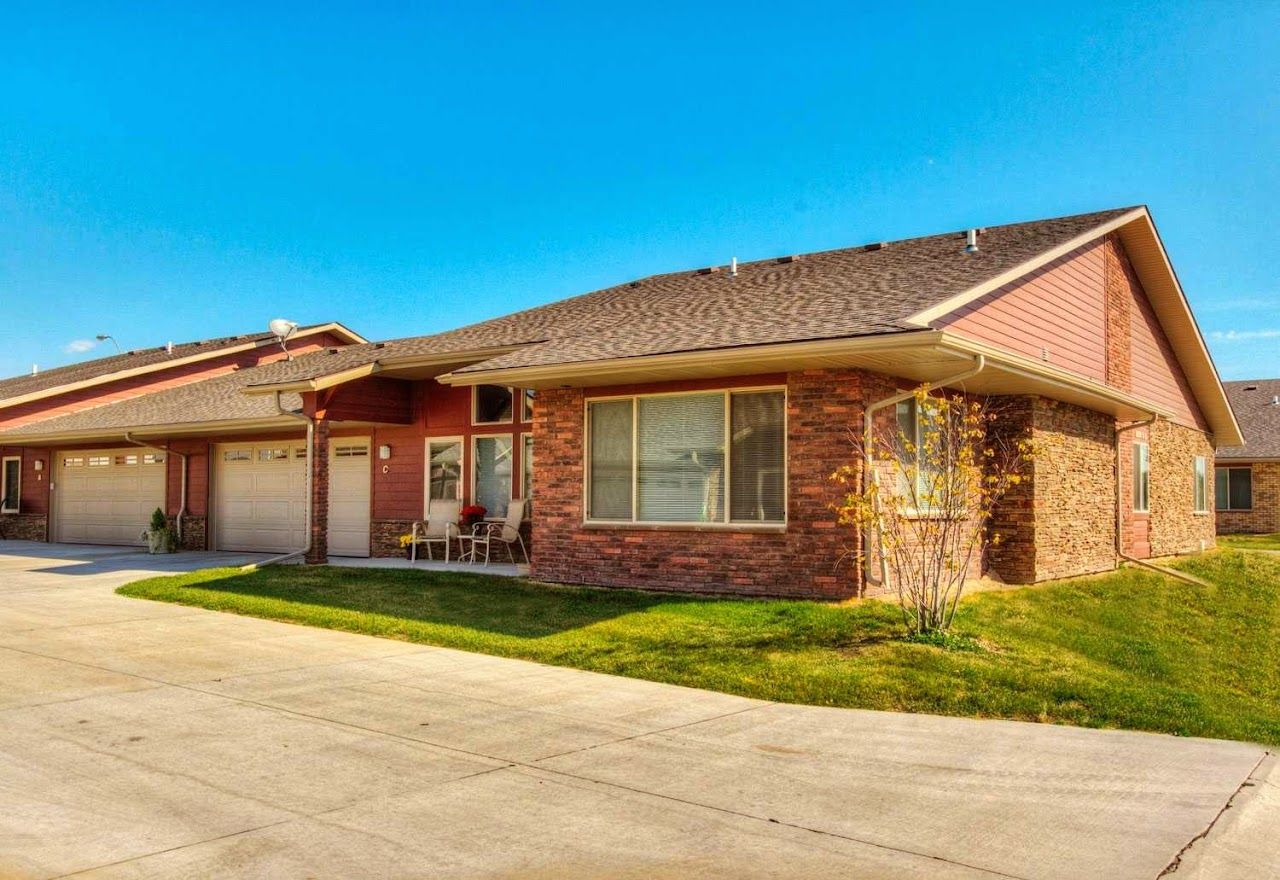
x,y
139,739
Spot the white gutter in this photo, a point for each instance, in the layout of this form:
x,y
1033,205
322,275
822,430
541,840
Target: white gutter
x,y
311,442
868,458
182,503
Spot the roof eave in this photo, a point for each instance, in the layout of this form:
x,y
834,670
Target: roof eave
x,y
119,375
92,435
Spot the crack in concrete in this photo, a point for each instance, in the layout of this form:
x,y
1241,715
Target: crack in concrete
x,y
1173,866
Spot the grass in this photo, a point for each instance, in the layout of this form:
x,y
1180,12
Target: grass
x,y
1131,649
1251,542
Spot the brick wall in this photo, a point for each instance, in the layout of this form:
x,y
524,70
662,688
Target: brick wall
x,y
1264,518
319,552
1060,522
194,532
1117,284
824,411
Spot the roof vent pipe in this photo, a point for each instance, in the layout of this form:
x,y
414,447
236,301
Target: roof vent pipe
x,y
1275,400
34,369
733,267
168,348
971,241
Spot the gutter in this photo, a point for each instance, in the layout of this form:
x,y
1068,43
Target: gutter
x,y
868,458
182,504
311,443
1120,554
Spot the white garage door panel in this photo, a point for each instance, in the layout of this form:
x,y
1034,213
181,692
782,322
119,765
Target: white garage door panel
x,y
106,503
260,501
350,476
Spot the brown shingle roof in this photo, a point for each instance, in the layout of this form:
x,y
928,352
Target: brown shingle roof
x,y
854,291
103,368
221,398
1258,416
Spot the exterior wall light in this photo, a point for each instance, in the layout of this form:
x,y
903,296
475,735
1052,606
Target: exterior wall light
x,y
384,452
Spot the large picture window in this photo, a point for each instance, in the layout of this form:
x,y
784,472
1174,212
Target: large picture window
x,y
10,484
662,458
1233,488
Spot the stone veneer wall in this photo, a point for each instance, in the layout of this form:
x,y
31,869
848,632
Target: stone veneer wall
x,y
24,527
804,559
1264,518
385,538
1060,521
194,532
1175,526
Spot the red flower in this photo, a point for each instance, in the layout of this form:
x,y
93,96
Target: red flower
x,y
474,511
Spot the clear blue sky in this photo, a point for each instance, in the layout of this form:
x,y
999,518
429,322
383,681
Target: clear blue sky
x,y
176,173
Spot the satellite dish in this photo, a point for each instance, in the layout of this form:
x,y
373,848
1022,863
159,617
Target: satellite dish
x,y
281,328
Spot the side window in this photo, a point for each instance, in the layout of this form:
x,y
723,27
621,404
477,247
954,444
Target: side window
x,y
1141,477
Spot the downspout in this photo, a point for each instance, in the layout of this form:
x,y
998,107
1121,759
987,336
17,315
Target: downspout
x,y
1120,496
868,460
311,427
182,500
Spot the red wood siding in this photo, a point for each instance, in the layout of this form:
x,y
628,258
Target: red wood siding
x,y
1059,311
1157,375
372,400
158,380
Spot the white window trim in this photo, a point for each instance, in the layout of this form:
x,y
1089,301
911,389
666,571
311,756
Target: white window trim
x,y
727,524
1146,447
523,464
1202,462
4,488
426,469
475,406
1228,468
475,459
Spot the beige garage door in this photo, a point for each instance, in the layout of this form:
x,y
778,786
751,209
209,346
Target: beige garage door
x,y
349,480
259,496
106,496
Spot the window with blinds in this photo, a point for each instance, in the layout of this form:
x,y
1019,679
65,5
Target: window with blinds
x,y
704,457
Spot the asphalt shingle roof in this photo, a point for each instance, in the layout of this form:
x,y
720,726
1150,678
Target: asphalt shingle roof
x,y
221,398
56,377
855,291
1259,419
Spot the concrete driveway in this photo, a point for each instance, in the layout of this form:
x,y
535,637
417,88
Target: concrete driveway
x,y
139,739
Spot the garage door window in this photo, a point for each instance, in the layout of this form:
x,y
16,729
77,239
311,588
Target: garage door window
x,y
273,454
236,455
10,484
152,458
126,460
99,461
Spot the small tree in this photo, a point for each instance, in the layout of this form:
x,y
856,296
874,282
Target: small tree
x,y
948,460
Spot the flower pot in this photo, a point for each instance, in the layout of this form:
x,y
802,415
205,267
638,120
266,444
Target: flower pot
x,y
158,541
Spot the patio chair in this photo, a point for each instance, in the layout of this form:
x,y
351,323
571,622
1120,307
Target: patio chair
x,y
440,527
506,532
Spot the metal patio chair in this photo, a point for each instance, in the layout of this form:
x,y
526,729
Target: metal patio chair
x,y
440,527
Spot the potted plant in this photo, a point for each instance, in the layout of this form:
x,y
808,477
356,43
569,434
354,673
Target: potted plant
x,y
471,514
406,545
159,537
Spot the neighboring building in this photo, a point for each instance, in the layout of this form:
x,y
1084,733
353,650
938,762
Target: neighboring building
x,y
686,425
1247,477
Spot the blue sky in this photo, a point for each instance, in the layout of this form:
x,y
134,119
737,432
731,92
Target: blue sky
x,y
176,172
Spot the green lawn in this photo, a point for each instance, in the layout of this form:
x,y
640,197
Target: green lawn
x,y
1251,542
1131,649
